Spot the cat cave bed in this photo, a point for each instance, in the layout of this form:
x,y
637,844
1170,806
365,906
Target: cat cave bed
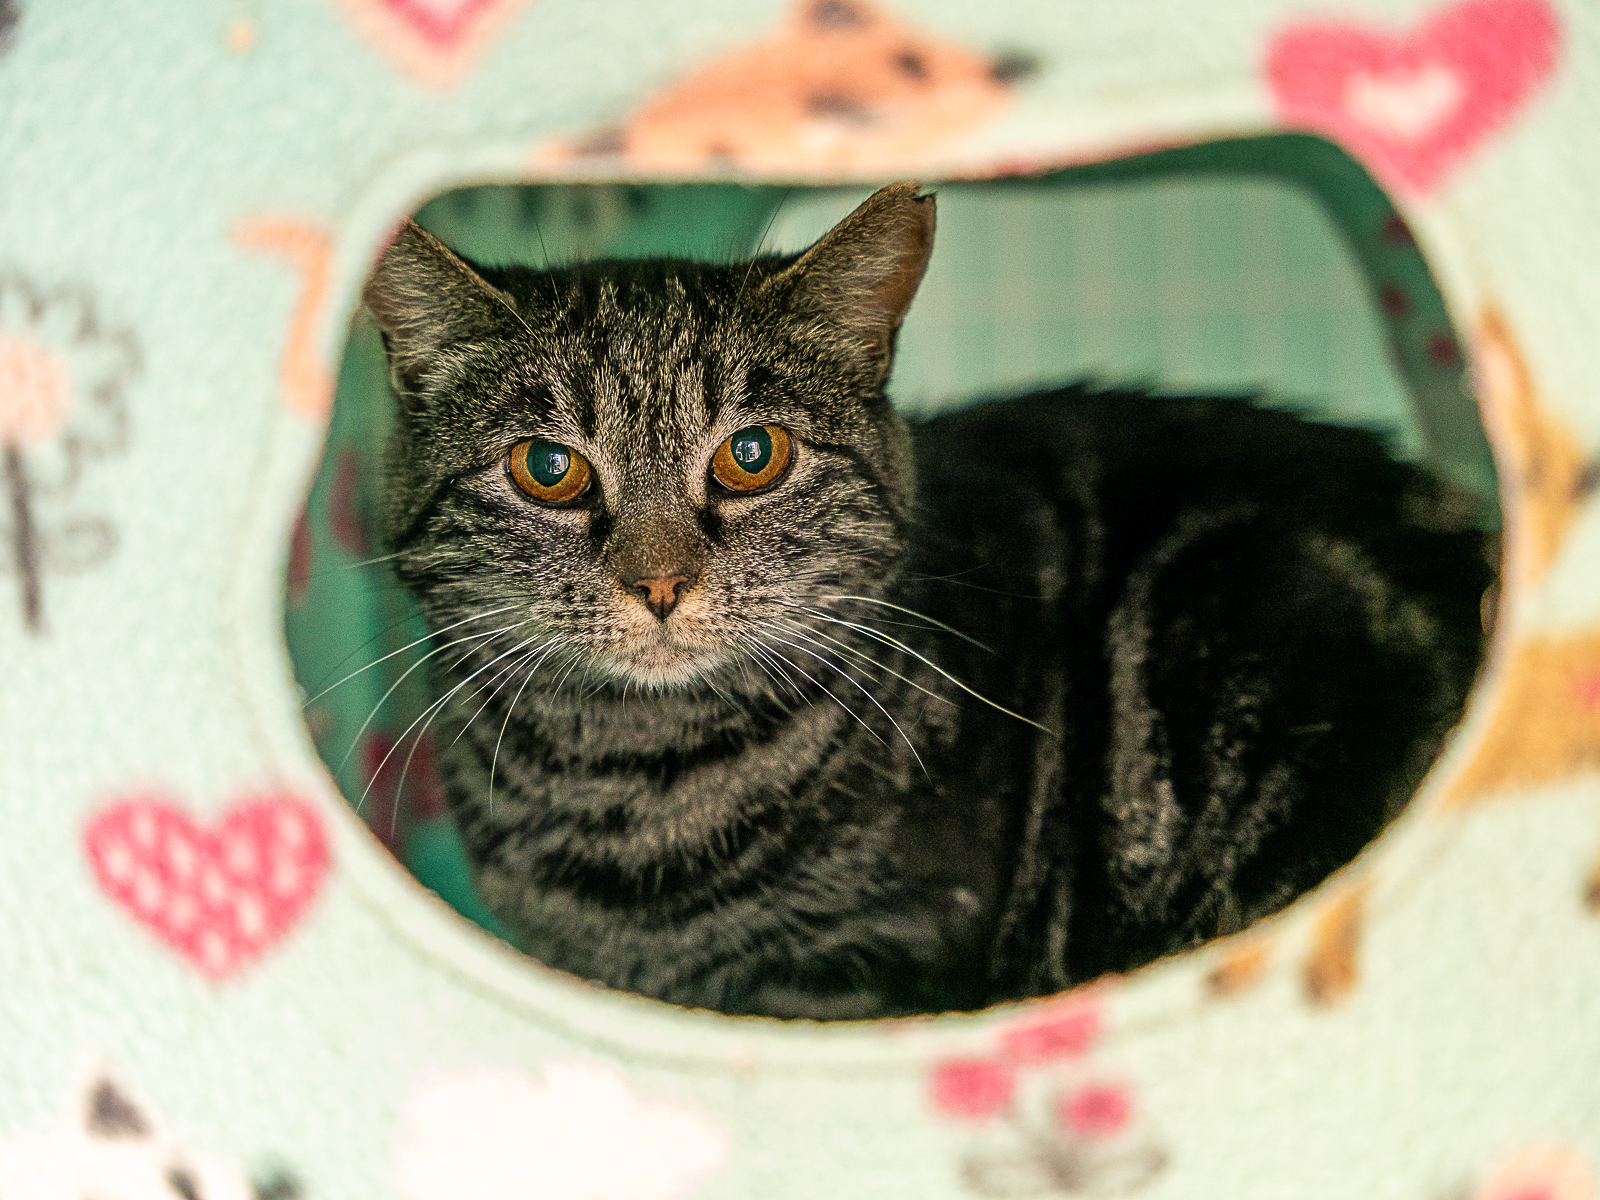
x,y
213,970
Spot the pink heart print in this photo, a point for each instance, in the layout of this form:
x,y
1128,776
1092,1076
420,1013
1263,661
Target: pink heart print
x,y
219,896
1412,106
434,41
442,22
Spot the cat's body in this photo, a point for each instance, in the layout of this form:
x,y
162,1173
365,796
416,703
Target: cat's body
x,y
746,752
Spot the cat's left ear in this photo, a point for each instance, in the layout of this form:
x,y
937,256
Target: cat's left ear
x,y
425,297
861,276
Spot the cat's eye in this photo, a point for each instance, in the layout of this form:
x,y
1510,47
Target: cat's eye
x,y
752,458
548,471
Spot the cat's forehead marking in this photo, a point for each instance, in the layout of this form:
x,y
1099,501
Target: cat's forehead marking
x,y
647,371
649,379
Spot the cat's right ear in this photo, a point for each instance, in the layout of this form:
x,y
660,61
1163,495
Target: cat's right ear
x,y
425,297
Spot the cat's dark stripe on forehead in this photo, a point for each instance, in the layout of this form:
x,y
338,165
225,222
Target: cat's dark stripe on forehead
x,y
651,407
582,390
712,381
757,380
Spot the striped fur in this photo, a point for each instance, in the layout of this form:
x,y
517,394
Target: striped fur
x,y
1219,644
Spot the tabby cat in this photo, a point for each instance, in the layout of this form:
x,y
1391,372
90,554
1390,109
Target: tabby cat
x,y
770,703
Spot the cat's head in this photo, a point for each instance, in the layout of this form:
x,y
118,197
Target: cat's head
x,y
637,467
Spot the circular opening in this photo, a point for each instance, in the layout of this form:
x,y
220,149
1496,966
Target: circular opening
x,y
1247,654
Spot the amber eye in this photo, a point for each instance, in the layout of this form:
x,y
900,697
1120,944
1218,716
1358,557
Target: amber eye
x,y
751,458
548,471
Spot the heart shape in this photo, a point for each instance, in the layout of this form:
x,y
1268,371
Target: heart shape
x,y
434,41
219,896
1412,106
442,22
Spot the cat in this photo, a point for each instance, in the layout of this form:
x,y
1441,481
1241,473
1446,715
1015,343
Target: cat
x,y
110,1148
770,702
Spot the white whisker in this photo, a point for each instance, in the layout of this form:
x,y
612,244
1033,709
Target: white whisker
x,y
898,644
764,657
862,689
911,612
372,562
356,741
494,759
825,691
494,685
867,658
403,649
426,714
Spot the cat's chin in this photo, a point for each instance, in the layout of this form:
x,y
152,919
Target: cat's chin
x,y
664,667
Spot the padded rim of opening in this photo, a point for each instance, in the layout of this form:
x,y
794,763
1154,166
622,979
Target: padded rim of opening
x,y
653,1032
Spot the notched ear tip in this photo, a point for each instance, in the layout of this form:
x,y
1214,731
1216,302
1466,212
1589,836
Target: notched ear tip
x,y
906,191
902,203
921,213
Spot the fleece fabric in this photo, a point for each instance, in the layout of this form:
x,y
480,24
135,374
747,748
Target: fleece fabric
x,y
217,979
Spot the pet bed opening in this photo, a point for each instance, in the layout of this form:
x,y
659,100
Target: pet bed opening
x,y
1269,267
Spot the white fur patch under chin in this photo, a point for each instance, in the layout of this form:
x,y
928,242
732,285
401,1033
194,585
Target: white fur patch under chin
x,y
664,670
579,1132
662,658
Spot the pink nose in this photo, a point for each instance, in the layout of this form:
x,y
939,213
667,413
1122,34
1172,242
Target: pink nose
x,y
661,593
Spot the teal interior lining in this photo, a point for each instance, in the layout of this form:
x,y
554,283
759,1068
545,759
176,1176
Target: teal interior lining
x,y
1272,266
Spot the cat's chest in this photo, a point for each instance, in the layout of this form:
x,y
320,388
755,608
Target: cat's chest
x,y
811,801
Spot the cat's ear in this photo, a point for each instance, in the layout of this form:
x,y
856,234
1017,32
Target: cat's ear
x,y
861,276
424,297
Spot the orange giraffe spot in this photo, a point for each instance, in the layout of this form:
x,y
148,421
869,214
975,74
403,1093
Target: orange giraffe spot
x,y
241,36
307,383
1546,723
1331,971
1546,688
1242,967
1545,474
841,85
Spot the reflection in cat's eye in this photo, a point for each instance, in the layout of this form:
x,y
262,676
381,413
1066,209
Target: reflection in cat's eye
x,y
964,708
547,471
753,458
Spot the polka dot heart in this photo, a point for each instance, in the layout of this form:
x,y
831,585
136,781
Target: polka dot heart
x,y
1413,103
219,896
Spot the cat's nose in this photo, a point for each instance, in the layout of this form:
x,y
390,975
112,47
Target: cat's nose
x,y
660,593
